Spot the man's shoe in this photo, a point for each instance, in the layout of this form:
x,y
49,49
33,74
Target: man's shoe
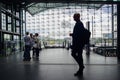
x,y
81,69
24,59
78,73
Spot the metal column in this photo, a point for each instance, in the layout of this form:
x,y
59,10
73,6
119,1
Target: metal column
x,y
0,31
118,31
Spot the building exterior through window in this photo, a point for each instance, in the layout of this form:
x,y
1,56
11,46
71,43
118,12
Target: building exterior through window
x,y
55,25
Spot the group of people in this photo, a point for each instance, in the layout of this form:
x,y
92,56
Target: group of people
x,y
32,42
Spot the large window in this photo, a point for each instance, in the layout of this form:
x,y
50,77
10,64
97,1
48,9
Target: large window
x,y
17,42
3,21
7,37
54,25
115,25
17,26
9,23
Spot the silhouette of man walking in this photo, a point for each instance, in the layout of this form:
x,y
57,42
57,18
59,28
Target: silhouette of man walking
x,y
78,43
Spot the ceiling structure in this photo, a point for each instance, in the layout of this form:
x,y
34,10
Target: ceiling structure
x,y
59,1
36,6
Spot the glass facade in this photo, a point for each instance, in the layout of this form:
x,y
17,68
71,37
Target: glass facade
x,y
11,26
54,22
54,25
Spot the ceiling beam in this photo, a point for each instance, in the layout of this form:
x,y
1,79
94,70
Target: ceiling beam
x,y
74,1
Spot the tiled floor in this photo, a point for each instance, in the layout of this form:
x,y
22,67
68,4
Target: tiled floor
x,y
57,64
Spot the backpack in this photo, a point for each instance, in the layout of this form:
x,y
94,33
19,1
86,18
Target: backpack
x,y
86,36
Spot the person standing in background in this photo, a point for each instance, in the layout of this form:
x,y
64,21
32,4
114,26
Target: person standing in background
x,y
32,38
37,45
27,47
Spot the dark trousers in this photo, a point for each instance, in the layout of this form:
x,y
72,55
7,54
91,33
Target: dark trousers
x,y
37,50
33,51
77,55
27,52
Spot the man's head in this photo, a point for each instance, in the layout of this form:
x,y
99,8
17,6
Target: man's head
x,y
27,33
36,34
31,34
76,16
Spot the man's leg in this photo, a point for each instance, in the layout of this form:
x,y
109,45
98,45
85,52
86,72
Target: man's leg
x,y
37,52
80,58
27,53
77,54
33,52
29,49
74,55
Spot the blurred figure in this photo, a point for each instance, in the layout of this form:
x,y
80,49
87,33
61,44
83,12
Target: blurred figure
x,y
27,47
37,45
32,38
